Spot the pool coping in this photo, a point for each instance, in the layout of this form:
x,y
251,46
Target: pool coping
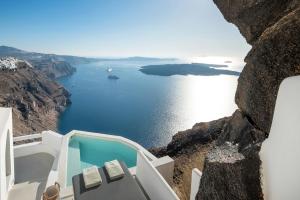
x,y
63,160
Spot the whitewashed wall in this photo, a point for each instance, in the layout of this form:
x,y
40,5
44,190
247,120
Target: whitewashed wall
x,y
6,131
51,143
153,183
280,153
195,183
165,166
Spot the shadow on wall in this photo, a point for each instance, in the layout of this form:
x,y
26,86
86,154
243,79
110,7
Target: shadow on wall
x,y
7,155
6,152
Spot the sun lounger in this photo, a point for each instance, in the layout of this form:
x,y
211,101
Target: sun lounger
x,y
125,188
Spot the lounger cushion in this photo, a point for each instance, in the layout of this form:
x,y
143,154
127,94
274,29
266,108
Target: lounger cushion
x,y
114,169
91,177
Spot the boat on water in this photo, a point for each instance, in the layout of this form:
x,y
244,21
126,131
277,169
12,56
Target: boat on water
x,y
109,69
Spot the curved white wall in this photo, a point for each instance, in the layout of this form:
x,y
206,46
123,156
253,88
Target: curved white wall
x,y
6,131
280,153
51,143
153,183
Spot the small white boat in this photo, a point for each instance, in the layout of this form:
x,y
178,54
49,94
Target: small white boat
x,y
109,69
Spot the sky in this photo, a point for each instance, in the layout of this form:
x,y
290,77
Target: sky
x,y
120,28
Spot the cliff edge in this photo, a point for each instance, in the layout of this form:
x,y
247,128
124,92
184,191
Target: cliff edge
x,y
51,65
36,100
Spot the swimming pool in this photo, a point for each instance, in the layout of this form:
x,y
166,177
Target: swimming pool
x,y
85,151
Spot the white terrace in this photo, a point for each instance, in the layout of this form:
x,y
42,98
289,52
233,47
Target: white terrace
x,y
27,169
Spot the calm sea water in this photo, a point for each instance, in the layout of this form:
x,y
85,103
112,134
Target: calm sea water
x,y
144,108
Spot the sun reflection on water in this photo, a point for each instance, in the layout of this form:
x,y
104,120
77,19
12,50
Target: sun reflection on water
x,y
201,99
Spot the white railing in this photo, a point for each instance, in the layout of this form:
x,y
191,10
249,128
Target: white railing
x,y
28,137
7,174
151,180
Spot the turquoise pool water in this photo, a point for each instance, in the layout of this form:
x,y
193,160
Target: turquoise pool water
x,y
84,152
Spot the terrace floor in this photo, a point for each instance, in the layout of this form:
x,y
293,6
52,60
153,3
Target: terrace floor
x,y
31,173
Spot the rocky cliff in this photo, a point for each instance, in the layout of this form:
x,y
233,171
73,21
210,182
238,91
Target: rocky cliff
x,y
53,66
231,165
36,100
272,28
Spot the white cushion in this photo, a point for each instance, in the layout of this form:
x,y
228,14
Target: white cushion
x,y
91,177
114,169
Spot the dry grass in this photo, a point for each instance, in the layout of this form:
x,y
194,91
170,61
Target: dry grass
x,y
184,164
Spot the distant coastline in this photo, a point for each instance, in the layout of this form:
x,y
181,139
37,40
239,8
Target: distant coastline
x,y
187,69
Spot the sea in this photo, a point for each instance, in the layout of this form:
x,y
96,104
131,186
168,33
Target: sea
x,y
147,109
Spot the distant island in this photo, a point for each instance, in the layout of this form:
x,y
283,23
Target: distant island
x,y
187,69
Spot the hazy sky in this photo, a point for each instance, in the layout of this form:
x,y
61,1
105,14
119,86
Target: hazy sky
x,y
160,28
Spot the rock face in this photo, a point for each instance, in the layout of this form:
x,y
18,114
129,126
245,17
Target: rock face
x,y
51,65
232,168
228,175
36,100
53,69
273,29
240,131
253,17
201,133
188,149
